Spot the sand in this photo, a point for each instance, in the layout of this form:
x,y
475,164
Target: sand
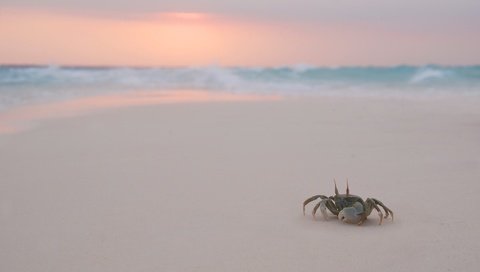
x,y
219,187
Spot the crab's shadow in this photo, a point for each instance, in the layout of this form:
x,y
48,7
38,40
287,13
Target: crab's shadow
x,y
369,222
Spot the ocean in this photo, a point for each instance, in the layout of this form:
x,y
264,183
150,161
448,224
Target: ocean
x,y
21,85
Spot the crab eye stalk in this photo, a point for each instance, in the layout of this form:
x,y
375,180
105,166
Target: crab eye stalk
x,y
348,189
336,190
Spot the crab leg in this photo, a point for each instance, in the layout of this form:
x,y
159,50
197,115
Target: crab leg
x,y
370,203
323,208
385,208
331,206
312,199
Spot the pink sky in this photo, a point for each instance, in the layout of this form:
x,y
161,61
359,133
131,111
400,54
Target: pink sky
x,y
46,36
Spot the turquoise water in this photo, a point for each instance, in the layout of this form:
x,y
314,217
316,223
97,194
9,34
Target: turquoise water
x,y
30,84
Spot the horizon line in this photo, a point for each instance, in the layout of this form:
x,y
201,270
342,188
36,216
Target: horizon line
x,y
297,65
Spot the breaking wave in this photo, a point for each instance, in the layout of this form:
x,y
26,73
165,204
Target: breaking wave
x,y
27,84
425,74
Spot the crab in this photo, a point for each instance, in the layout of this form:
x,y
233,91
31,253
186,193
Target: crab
x,y
347,207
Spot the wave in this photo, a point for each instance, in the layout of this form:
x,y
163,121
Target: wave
x,y
425,74
25,84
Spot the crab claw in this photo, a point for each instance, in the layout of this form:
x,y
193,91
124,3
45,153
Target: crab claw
x,y
349,215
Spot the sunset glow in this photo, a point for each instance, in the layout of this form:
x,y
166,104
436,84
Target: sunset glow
x,y
58,38
186,16
34,36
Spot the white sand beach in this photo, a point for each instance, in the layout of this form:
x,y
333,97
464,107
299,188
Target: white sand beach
x,y
219,186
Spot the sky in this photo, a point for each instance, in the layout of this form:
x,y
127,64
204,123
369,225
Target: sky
x,y
240,33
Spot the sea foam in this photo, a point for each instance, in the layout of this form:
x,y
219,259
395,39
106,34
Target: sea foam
x,y
31,84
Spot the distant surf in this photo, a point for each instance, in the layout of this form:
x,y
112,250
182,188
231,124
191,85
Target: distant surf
x,y
21,85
